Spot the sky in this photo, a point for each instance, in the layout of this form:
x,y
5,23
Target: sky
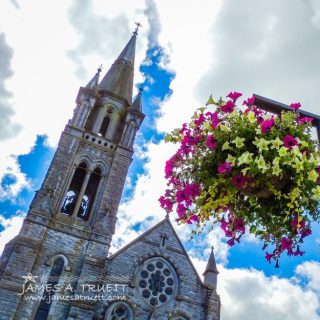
x,y
48,49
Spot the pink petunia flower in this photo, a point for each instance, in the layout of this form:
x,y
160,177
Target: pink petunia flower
x,y
230,242
200,120
181,210
295,106
286,244
239,180
239,225
234,96
267,125
225,167
228,107
269,256
166,203
289,141
257,111
211,142
249,102
215,120
192,218
304,120
298,252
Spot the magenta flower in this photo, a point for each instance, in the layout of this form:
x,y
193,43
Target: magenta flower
x,y
184,128
267,125
200,120
295,106
304,233
269,256
230,242
239,225
249,102
225,167
304,120
234,96
294,224
298,252
189,192
215,120
239,180
259,120
228,107
289,141
166,203
257,111
286,244
181,210
168,169
211,142
224,224
182,196
192,218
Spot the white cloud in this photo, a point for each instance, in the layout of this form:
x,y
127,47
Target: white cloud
x,y
250,294
11,227
309,272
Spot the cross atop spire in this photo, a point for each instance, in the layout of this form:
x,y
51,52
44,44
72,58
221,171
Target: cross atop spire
x,y
138,25
211,266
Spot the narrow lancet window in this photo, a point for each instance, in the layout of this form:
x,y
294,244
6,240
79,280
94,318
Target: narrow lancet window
x,y
104,126
89,195
53,280
72,194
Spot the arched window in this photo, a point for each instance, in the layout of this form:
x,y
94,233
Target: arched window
x,y
119,311
89,194
72,194
104,126
53,280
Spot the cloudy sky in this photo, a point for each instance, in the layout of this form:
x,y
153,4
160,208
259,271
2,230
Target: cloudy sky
x,y
185,51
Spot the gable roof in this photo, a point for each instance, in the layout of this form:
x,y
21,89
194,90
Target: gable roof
x,y
165,220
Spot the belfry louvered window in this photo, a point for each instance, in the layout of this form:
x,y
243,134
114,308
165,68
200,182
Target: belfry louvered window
x,y
90,194
72,194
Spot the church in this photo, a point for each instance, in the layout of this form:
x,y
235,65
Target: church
x,y
58,266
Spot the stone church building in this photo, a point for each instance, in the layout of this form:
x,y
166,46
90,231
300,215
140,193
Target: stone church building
x,y
58,266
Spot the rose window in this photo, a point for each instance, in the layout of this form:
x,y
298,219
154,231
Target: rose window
x,y
157,281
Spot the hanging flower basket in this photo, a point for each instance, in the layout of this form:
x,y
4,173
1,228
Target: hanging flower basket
x,y
246,170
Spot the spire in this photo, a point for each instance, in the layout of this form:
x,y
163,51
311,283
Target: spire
x,y
119,78
211,266
211,272
137,102
94,82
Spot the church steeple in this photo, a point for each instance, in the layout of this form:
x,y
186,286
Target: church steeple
x,y
137,102
211,272
94,82
119,78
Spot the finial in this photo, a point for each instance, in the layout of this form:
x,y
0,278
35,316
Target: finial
x,y
167,215
138,25
141,89
99,69
212,247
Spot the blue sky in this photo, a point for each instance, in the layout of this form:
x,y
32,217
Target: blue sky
x,y
227,47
